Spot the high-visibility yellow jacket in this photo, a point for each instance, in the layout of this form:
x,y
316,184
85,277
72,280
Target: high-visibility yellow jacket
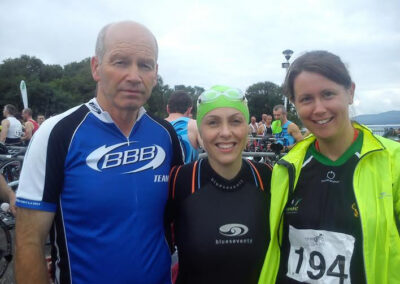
x,y
376,183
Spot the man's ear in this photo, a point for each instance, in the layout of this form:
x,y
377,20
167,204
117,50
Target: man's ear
x,y
156,76
187,112
94,65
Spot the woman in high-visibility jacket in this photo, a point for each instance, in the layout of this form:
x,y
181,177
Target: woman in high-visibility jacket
x,y
335,197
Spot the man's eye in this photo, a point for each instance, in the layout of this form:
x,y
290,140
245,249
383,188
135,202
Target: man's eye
x,y
120,62
146,66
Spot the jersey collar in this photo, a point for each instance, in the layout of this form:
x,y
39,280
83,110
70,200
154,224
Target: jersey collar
x,y
103,115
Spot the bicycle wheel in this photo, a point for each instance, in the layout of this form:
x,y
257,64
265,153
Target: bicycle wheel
x,y
11,169
5,248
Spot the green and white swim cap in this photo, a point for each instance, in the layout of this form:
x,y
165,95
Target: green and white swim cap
x,y
221,96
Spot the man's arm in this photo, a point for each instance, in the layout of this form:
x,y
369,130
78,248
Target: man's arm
x,y
7,194
5,124
32,228
28,131
294,130
194,135
260,129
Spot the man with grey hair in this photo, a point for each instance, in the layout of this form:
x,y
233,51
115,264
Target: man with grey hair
x,y
96,178
290,133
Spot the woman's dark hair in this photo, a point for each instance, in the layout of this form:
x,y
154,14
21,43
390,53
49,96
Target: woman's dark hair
x,y
321,62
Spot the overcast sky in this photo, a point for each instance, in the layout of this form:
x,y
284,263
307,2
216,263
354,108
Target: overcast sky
x,y
210,42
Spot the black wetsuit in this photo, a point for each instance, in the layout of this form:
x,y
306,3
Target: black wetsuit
x,y
221,226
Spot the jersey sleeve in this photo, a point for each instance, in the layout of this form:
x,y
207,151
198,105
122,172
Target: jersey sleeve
x,y
42,174
41,160
177,158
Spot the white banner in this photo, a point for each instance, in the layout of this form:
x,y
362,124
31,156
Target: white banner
x,y
24,93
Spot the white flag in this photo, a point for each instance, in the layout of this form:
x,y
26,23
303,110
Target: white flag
x,y
24,93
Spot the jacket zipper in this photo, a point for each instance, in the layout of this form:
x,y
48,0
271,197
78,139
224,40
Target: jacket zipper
x,y
291,172
362,231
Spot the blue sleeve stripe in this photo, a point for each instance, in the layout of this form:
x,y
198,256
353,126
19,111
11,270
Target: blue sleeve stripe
x,y
37,205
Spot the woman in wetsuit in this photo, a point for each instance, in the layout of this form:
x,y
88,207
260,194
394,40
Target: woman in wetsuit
x,y
221,203
335,197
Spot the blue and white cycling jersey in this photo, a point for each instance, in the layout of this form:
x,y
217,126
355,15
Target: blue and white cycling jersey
x,y
108,193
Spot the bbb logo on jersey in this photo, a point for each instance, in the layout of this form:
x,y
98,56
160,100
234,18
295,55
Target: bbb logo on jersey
x,y
133,159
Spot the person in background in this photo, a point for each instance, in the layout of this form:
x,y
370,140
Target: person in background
x,y
253,126
264,127
179,108
30,125
40,119
290,133
11,128
335,197
220,204
96,176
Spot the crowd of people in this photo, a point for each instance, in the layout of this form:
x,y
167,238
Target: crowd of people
x,y
17,130
119,190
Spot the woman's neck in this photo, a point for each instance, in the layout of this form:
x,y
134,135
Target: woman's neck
x,y
226,171
335,147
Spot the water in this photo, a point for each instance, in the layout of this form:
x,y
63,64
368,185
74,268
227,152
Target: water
x,y
381,129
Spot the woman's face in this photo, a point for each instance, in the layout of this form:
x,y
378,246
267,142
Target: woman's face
x,y
224,134
323,105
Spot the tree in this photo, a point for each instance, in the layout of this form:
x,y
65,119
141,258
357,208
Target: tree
x,y
262,97
157,103
194,92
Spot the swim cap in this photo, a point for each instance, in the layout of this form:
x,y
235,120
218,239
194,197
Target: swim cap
x,y
221,96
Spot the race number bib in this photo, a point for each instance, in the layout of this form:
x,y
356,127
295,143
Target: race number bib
x,y
318,256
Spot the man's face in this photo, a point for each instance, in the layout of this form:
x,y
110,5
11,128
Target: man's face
x,y
253,120
24,116
278,115
264,117
40,119
128,70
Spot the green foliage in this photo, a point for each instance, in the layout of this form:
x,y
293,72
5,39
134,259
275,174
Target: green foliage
x,y
194,92
53,89
262,97
157,103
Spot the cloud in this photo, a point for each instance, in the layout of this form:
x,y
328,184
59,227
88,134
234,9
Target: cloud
x,y
236,43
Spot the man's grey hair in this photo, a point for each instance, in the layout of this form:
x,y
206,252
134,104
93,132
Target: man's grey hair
x,y
282,107
28,111
100,48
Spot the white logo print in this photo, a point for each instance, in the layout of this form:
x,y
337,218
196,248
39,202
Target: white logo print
x,y
155,154
233,230
330,177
